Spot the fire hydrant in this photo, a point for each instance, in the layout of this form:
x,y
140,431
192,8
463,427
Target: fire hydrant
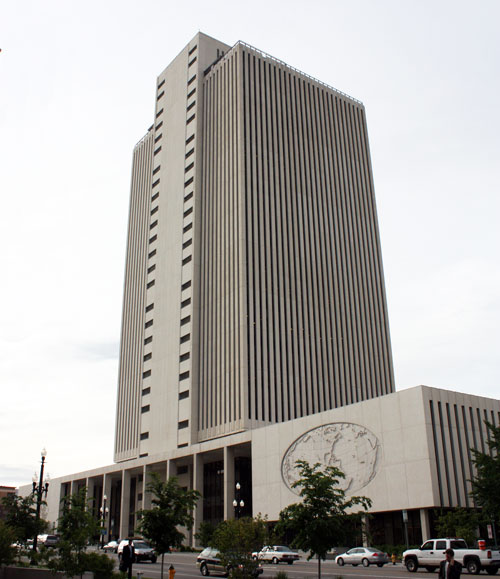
x,y
393,558
171,572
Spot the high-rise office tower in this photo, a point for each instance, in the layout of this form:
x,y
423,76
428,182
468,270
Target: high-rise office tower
x,y
254,290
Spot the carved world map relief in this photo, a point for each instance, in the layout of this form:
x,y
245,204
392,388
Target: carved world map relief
x,y
350,447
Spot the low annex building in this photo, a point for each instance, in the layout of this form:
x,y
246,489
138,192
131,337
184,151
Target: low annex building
x,y
409,450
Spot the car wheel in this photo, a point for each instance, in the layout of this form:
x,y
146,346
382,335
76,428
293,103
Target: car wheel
x,y
430,569
204,570
380,564
411,565
365,562
254,558
473,567
340,562
153,559
275,561
290,562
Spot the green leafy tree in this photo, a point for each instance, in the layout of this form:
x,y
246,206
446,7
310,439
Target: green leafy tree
x,y
321,520
461,523
235,539
20,516
205,534
76,526
486,483
172,507
7,537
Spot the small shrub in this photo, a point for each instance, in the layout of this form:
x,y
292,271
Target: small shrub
x,y
100,564
281,575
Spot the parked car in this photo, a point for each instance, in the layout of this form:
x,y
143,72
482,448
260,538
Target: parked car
x,y
432,552
112,546
365,556
209,563
143,551
48,540
276,554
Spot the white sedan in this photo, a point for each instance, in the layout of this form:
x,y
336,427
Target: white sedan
x,y
364,556
276,554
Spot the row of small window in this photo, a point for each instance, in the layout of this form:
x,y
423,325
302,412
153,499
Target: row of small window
x,y
182,395
180,425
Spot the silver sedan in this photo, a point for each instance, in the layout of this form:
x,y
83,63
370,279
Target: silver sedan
x,y
365,556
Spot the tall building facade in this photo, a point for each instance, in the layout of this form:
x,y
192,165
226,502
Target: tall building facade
x,y
254,325
254,289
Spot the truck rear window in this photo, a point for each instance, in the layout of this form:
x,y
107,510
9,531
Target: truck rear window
x,y
458,545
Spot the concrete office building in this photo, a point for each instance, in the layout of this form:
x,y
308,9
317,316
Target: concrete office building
x,y
255,327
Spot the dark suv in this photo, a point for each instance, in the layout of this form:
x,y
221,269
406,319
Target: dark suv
x,y
209,563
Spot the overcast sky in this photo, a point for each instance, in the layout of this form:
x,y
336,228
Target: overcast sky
x,y
77,82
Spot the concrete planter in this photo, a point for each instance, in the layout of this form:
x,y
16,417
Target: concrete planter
x,y
34,573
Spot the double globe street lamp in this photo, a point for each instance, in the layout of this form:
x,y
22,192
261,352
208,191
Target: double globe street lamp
x,y
238,503
39,490
104,513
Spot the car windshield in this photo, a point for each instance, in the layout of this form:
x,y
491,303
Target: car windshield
x,y
141,545
373,550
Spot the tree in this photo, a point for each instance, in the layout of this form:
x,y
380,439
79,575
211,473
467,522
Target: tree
x,y
486,483
20,516
7,537
235,539
321,520
76,526
459,523
172,508
205,534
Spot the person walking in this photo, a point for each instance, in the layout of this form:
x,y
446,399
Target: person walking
x,y
128,558
449,568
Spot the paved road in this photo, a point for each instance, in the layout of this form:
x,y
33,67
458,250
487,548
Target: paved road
x,y
185,567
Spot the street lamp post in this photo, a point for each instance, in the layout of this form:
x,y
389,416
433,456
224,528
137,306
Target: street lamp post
x,y
104,513
238,503
39,490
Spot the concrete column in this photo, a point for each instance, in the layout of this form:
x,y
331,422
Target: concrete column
x,y
171,469
197,486
424,523
365,526
146,497
228,482
91,500
125,504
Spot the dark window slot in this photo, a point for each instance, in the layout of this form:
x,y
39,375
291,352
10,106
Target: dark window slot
x,y
185,338
184,375
184,394
150,307
146,374
144,435
153,239
146,391
148,324
150,284
186,244
187,259
185,320
186,302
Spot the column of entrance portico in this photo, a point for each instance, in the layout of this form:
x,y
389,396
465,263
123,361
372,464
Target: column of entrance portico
x,y
91,500
228,482
125,505
425,525
146,497
197,486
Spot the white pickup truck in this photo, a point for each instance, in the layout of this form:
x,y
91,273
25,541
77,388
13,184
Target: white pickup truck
x,y
432,552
